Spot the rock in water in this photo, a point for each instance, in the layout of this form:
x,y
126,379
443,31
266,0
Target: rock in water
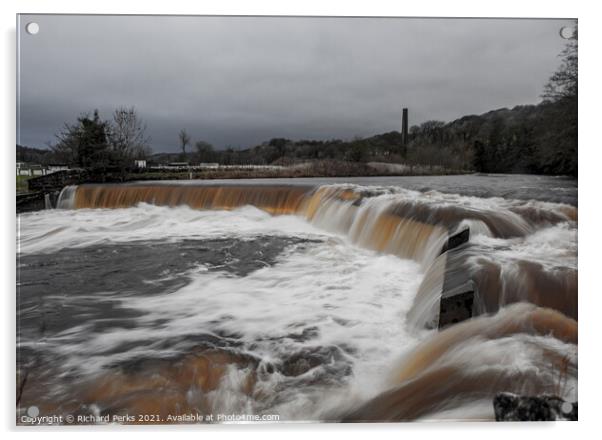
x,y
510,407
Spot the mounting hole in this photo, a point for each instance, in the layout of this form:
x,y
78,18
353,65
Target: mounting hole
x,y
32,28
566,32
567,407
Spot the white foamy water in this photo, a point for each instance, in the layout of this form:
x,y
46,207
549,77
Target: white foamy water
x,y
52,230
443,199
550,246
350,299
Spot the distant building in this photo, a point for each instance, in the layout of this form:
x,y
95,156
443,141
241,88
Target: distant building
x,y
140,163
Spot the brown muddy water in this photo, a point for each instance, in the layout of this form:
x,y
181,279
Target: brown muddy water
x,y
299,300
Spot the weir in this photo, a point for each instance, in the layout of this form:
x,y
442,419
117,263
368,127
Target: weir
x,y
460,280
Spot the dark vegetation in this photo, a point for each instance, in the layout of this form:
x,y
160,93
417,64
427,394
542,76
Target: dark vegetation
x,y
95,143
539,139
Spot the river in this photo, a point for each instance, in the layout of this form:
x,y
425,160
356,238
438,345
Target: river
x,y
297,300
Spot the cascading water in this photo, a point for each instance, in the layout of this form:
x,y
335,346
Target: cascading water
x,y
66,197
296,301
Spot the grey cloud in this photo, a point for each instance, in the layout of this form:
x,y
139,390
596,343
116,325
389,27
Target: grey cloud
x,y
241,80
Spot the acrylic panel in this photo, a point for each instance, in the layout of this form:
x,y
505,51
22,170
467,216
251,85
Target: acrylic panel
x,y
228,219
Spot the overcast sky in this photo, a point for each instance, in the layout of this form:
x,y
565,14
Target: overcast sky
x,y
237,81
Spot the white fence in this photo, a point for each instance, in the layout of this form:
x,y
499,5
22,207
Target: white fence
x,y
37,170
32,172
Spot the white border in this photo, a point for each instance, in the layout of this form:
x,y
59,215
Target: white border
x,y
590,163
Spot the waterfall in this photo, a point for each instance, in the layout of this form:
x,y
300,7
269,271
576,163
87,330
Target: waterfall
x,y
66,197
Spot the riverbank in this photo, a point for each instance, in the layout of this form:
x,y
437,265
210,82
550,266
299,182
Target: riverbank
x,y
324,168
329,168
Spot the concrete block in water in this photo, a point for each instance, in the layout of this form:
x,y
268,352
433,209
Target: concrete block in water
x,y
458,291
456,240
456,304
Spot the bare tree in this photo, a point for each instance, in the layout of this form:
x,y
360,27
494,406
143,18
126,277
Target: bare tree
x,y
127,135
66,148
184,140
563,83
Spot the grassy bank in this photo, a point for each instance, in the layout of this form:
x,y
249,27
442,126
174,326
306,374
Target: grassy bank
x,y
22,184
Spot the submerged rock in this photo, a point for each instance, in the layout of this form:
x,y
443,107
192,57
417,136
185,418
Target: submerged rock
x,y
510,407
